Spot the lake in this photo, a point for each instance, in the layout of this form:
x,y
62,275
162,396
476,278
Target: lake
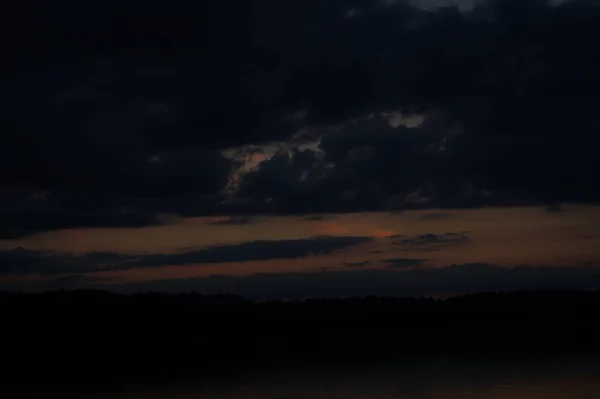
x,y
572,377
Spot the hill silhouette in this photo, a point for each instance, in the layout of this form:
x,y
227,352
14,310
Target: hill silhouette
x,y
97,334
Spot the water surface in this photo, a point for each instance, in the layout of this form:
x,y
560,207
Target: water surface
x,y
439,378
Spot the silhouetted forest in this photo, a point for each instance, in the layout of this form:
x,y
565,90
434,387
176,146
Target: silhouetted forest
x,y
94,333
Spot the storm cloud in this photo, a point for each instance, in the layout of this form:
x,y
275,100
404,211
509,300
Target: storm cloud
x,y
118,118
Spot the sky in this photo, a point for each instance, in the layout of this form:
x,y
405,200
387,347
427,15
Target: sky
x,y
302,148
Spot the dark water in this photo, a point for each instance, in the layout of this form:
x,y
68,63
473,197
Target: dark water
x,y
441,378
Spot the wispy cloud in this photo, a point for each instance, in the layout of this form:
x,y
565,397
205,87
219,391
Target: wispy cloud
x,y
431,241
24,262
357,264
403,263
233,221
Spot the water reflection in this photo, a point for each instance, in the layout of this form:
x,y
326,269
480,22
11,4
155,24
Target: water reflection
x,y
573,378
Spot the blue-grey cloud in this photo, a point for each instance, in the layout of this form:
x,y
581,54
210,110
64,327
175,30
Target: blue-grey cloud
x,y
24,262
431,241
357,264
251,251
21,261
455,279
234,221
403,263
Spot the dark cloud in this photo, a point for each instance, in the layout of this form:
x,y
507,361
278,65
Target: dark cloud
x,y
134,102
350,171
402,263
28,211
72,278
315,218
19,261
357,264
234,221
590,237
556,208
456,279
487,114
431,241
24,262
251,251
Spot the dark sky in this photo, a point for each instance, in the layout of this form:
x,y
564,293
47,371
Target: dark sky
x,y
250,145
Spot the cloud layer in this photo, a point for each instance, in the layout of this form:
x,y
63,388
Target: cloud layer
x,y
108,125
26,262
456,279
